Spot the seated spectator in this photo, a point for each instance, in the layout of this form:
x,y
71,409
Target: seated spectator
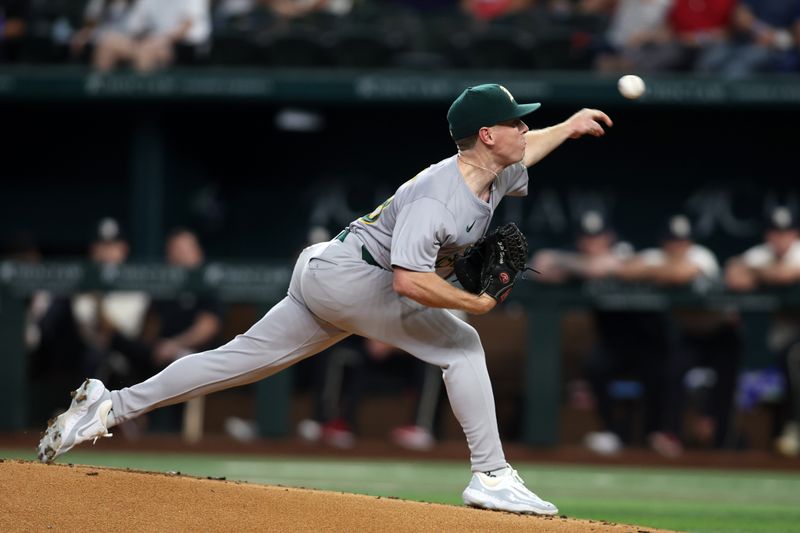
x,y
708,341
766,38
100,16
13,28
156,33
776,263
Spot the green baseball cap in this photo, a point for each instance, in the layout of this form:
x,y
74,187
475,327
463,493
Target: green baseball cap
x,y
484,105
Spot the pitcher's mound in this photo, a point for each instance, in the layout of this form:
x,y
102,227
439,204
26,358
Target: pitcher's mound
x,y
38,497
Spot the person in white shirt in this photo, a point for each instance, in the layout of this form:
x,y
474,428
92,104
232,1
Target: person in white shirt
x,y
154,32
776,263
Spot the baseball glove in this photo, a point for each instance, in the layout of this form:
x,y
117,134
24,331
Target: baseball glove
x,y
492,264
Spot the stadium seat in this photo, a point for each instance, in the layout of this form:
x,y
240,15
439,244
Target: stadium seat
x,y
295,49
234,50
361,47
495,49
41,50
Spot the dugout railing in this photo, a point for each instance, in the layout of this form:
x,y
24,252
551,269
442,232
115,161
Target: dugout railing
x,y
265,284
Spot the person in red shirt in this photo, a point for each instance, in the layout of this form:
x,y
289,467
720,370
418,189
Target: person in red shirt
x,y
696,22
691,26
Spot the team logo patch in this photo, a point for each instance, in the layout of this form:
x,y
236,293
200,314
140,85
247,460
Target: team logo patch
x,y
504,277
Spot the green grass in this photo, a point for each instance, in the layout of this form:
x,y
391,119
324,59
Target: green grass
x,y
685,500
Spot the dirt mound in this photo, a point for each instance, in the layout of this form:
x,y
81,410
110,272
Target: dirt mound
x,y
38,497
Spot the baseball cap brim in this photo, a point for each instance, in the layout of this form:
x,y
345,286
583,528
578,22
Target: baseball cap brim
x,y
525,109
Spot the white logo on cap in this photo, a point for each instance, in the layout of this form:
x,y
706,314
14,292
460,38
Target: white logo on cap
x,y
592,222
680,226
508,93
782,217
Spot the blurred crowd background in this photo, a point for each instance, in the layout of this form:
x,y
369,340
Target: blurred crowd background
x,y
682,198
731,38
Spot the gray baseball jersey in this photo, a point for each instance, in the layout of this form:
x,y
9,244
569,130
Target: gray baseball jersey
x,y
433,217
337,290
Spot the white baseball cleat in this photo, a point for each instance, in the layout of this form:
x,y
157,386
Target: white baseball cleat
x,y
504,490
86,419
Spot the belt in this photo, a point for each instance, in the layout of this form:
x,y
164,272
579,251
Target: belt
x,y
365,255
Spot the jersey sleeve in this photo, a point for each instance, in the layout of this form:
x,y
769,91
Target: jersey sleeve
x,y
195,10
137,18
792,257
757,257
705,260
652,257
514,180
422,227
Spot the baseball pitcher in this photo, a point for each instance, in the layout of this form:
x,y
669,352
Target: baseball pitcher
x,y
385,277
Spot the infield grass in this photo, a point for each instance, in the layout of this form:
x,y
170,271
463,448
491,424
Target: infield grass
x,y
679,499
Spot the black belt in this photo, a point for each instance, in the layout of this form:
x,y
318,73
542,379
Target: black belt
x,y
365,255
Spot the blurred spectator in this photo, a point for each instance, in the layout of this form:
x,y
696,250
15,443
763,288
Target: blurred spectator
x,y
709,350
156,34
776,263
678,261
74,331
100,17
598,254
630,345
660,35
766,38
695,27
13,28
633,24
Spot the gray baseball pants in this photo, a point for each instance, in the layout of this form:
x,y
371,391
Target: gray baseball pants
x,y
334,293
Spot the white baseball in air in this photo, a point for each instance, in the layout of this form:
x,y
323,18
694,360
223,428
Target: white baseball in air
x,y
631,86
